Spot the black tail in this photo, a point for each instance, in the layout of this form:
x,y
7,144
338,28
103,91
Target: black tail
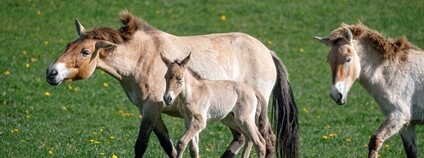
x,y
284,111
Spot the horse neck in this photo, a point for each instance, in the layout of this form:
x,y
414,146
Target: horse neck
x,y
192,85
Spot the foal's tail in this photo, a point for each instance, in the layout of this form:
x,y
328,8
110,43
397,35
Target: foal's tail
x,y
284,111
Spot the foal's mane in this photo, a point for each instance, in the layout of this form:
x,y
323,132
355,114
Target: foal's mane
x,y
391,49
131,24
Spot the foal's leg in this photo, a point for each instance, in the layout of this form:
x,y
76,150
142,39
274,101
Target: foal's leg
x,y
196,124
247,149
194,146
409,141
236,144
392,125
251,131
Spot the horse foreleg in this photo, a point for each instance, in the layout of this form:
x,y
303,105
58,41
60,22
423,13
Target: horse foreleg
x,y
196,124
151,113
392,125
194,146
247,148
236,144
163,135
409,141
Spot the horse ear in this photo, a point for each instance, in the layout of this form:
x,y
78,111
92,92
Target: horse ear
x,y
80,29
348,34
184,63
324,40
165,60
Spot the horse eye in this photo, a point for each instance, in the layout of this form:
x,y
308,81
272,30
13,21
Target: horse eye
x,y
179,78
85,53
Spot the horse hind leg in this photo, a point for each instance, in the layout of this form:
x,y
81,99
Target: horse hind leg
x,y
251,131
247,148
409,141
194,146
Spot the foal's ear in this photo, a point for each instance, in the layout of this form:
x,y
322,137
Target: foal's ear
x,y
80,29
348,34
165,60
184,63
324,40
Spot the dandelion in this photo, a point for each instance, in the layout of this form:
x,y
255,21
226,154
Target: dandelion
x,y
301,50
50,152
24,52
38,12
327,126
112,137
14,131
101,130
223,17
366,145
114,156
27,65
348,140
91,140
94,133
324,137
387,146
33,59
333,135
140,116
46,42
64,109
47,94
305,110
102,154
96,142
105,84
6,73
269,42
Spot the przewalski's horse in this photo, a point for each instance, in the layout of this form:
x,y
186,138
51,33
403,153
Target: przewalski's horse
x,y
235,104
392,71
131,54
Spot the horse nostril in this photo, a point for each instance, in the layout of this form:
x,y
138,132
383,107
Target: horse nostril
x,y
52,73
340,96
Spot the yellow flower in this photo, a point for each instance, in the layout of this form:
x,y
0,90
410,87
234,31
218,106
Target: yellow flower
x,y
50,152
305,110
333,135
6,73
64,109
223,17
114,156
46,42
24,52
47,94
348,140
269,42
112,137
27,65
38,12
324,137
301,50
387,146
96,142
33,59
105,84
14,131
102,154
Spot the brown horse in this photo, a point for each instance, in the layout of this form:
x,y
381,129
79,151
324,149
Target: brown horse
x,y
235,104
392,71
131,54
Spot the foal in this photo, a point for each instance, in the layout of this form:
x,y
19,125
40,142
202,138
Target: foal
x,y
237,105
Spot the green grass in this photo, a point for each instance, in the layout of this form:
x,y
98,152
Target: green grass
x,y
87,119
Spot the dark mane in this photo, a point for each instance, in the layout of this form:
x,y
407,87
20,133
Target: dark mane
x,y
131,24
392,49
195,74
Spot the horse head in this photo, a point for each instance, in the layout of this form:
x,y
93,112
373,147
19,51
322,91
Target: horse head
x,y
80,58
344,63
175,78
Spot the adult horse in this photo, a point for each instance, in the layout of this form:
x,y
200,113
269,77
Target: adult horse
x,y
131,54
392,71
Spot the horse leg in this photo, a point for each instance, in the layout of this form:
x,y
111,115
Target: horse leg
x,y
250,130
163,135
151,113
235,145
247,149
196,124
392,125
409,141
194,146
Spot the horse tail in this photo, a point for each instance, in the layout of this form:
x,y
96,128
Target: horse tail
x,y
284,111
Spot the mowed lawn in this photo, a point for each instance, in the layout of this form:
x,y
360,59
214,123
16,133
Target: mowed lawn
x,y
93,118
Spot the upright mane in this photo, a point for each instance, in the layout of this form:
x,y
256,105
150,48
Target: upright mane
x,y
131,24
392,49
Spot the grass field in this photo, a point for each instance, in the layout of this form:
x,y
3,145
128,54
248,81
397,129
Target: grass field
x,y
93,118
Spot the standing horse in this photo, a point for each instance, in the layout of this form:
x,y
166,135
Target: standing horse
x,y
236,104
131,54
392,71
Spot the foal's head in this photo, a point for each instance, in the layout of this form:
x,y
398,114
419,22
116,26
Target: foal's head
x,y
344,63
175,78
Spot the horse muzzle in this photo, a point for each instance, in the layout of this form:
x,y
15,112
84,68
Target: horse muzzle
x,y
168,99
56,73
338,96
